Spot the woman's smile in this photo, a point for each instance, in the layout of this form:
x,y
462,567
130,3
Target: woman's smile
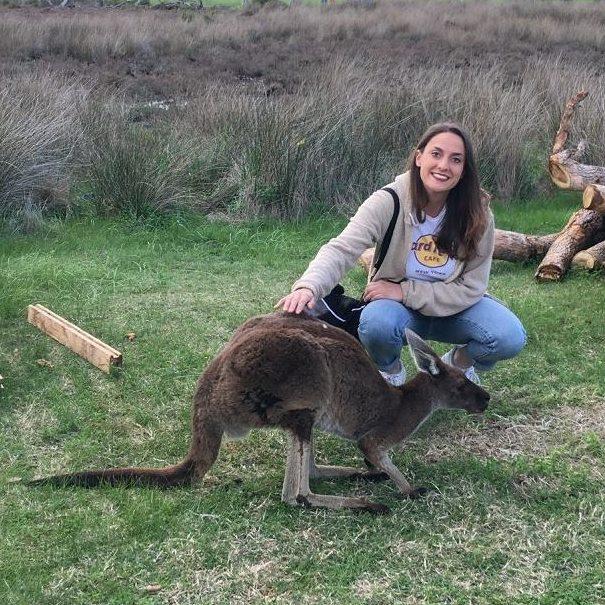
x,y
441,164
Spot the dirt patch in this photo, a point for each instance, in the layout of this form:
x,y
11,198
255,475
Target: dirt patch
x,y
507,438
163,54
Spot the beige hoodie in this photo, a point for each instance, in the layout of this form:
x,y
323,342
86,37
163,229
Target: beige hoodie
x,y
462,289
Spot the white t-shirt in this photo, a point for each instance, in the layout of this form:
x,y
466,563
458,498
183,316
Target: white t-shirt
x,y
425,262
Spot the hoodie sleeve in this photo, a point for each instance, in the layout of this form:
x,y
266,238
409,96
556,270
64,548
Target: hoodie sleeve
x,y
334,259
448,298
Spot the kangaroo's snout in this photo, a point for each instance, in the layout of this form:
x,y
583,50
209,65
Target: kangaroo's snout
x,y
480,400
481,407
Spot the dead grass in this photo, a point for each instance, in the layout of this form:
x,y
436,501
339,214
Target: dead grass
x,y
279,111
281,47
526,435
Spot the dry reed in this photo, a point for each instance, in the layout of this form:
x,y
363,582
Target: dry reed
x,y
280,111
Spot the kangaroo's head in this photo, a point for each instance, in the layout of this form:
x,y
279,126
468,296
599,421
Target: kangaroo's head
x,y
449,387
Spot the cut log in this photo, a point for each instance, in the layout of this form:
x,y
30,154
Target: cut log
x,y
565,124
92,349
592,258
566,173
565,170
594,198
583,229
518,247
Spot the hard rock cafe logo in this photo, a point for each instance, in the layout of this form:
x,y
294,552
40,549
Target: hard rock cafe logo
x,y
427,252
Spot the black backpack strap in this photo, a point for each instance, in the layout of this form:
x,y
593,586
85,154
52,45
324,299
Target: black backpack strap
x,y
389,233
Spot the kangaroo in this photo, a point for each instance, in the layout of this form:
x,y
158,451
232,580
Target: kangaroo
x,y
298,373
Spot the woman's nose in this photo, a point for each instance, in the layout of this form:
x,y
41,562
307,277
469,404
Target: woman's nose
x,y
443,163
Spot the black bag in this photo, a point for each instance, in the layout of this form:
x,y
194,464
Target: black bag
x,y
344,311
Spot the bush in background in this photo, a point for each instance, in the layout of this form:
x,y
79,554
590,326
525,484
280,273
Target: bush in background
x,y
40,131
322,139
135,172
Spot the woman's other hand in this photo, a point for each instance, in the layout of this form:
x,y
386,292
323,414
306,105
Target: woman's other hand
x,y
382,289
297,301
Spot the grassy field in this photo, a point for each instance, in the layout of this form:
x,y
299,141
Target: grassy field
x,y
135,124
517,513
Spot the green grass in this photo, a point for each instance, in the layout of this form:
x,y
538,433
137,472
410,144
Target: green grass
x,y
518,511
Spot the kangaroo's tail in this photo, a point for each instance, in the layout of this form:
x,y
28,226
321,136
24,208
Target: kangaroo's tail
x,y
201,457
169,476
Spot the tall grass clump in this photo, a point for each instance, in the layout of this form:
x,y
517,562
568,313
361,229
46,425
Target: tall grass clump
x,y
139,171
267,165
287,156
40,130
355,126
355,135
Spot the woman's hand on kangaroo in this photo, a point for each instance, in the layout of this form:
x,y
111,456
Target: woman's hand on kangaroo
x,y
297,301
382,289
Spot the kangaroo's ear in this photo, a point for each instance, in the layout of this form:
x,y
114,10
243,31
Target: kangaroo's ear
x,y
423,355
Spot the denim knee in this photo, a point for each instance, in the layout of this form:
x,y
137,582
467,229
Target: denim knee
x,y
381,329
512,341
378,329
501,344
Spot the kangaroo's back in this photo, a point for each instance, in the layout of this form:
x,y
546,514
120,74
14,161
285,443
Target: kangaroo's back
x,y
280,363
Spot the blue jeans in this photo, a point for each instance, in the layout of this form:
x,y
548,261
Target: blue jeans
x,y
489,330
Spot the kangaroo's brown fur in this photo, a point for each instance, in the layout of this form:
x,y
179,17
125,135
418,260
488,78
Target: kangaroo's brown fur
x,y
297,373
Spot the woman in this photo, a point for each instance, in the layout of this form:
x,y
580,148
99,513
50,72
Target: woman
x,y
434,276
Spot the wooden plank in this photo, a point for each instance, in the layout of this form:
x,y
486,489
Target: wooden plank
x,y
62,320
84,344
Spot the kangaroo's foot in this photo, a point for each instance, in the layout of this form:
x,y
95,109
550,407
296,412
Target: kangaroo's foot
x,y
320,471
311,500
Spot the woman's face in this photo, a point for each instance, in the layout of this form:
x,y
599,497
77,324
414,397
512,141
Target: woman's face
x,y
441,163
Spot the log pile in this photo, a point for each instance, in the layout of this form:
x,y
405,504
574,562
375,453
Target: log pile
x,y
582,241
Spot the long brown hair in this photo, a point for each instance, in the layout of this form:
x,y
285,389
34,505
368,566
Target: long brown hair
x,y
465,213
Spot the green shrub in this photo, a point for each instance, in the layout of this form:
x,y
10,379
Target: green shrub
x,y
39,133
136,172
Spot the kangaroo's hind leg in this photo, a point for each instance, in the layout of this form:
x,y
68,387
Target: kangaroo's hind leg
x,y
296,483
321,471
